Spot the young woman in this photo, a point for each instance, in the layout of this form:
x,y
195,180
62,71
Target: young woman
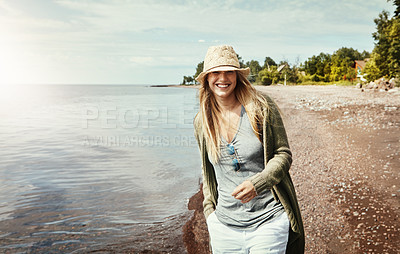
x,y
249,199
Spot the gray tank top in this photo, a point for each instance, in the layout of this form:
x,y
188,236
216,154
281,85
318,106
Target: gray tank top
x,y
236,165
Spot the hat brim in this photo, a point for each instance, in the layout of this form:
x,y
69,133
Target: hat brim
x,y
200,78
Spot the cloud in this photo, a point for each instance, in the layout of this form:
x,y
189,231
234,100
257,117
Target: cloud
x,y
119,35
7,9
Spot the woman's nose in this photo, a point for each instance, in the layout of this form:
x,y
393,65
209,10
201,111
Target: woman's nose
x,y
222,76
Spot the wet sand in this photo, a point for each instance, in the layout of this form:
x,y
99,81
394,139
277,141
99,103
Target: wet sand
x,y
346,169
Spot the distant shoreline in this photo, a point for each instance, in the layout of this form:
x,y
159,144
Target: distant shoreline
x,y
183,86
291,85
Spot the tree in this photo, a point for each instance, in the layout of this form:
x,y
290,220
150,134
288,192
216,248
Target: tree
x,y
255,68
371,71
269,76
342,64
268,62
335,67
386,54
382,44
241,62
319,67
394,51
397,4
350,53
199,68
188,80
291,73
365,55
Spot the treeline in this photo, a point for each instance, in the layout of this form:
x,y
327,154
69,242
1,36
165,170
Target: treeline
x,y
265,74
384,61
324,67
330,68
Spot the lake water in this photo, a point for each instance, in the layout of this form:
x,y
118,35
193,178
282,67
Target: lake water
x,y
96,167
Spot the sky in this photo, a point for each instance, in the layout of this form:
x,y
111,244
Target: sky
x,y
158,42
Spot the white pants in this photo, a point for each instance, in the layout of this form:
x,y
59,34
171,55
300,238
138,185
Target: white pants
x,y
271,237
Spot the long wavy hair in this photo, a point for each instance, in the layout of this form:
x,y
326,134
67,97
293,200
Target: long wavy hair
x,y
255,104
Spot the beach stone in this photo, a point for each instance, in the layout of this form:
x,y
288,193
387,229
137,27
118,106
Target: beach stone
x,y
394,82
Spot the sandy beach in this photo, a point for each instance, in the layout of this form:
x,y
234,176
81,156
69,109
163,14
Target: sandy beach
x,y
346,168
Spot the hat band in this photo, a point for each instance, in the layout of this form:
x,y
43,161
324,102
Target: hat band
x,y
221,66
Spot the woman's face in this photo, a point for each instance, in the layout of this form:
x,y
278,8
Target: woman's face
x,y
222,83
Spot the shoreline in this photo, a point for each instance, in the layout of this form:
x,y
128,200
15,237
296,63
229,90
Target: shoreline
x,y
346,159
180,86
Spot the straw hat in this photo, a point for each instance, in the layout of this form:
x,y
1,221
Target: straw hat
x,y
221,58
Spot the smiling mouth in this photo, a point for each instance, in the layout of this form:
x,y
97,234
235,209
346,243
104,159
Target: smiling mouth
x,y
222,85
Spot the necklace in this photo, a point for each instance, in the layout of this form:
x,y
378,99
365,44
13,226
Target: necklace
x,y
229,123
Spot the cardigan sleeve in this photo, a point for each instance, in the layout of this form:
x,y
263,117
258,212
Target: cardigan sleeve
x,y
208,204
278,156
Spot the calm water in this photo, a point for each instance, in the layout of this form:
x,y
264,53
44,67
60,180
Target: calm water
x,y
86,168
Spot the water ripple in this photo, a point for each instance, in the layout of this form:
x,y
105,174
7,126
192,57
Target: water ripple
x,y
60,194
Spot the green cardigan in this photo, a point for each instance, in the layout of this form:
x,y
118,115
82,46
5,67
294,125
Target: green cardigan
x,y
274,177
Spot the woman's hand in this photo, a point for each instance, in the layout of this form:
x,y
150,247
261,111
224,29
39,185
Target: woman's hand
x,y
245,192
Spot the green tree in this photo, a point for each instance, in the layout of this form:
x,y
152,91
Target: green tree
x,y
382,44
255,68
188,80
241,62
342,64
319,67
394,51
396,3
291,73
386,54
199,68
350,53
371,71
268,62
268,76
365,55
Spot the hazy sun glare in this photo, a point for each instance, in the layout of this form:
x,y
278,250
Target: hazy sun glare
x,y
19,99
18,65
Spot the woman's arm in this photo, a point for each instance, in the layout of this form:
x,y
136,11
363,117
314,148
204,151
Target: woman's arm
x,y
278,156
208,204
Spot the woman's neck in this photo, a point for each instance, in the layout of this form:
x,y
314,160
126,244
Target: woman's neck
x,y
228,104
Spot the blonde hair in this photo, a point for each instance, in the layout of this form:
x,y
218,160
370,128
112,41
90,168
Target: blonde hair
x,y
255,104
